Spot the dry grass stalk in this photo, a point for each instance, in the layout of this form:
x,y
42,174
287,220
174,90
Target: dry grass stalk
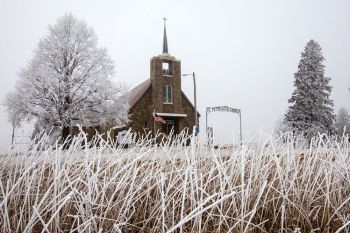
x,y
268,186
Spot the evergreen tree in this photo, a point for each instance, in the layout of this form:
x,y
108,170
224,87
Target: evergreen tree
x,y
342,123
311,110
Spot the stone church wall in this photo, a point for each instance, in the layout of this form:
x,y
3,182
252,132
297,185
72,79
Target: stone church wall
x,y
190,120
141,113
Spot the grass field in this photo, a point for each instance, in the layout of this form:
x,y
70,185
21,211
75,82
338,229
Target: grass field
x,y
270,185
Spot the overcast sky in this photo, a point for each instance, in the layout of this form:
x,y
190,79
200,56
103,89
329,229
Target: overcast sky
x,y
243,52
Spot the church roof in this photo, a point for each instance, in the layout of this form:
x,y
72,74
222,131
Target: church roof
x,y
137,92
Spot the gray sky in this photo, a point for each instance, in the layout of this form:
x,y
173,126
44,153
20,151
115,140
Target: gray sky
x,y
243,52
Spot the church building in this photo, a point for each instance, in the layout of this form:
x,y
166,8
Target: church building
x,y
161,95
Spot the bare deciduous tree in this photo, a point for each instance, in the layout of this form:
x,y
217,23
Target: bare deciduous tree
x,y
68,81
12,104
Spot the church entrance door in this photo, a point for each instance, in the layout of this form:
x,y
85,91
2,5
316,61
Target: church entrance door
x,y
168,126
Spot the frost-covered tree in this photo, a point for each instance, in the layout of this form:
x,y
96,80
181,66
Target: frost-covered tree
x,y
342,123
280,127
15,116
311,110
68,81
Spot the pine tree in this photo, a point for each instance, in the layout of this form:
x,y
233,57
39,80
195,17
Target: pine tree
x,y
342,123
311,111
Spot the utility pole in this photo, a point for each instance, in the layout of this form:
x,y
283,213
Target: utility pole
x,y
240,126
195,99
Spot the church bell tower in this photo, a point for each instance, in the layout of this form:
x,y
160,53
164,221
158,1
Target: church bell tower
x,y
165,71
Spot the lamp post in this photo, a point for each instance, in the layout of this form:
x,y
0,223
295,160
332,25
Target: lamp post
x,y
195,96
240,126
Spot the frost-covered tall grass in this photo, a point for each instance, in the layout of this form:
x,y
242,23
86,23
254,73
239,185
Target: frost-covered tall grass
x,y
266,186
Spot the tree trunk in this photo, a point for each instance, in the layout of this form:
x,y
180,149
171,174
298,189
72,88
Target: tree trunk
x,y
66,104
13,135
65,135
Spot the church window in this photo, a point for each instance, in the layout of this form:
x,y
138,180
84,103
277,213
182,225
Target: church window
x,y
166,68
167,94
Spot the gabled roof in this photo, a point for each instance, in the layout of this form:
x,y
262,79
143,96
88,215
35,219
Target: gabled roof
x,y
189,102
137,92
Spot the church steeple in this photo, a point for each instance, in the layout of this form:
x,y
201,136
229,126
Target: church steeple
x,y
165,40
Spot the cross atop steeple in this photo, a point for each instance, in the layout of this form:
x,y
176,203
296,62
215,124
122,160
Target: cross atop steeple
x,y
165,40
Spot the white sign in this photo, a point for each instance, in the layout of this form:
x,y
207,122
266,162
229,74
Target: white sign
x,y
223,109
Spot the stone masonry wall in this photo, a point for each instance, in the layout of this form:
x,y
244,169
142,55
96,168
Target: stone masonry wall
x,y
158,79
141,113
189,121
